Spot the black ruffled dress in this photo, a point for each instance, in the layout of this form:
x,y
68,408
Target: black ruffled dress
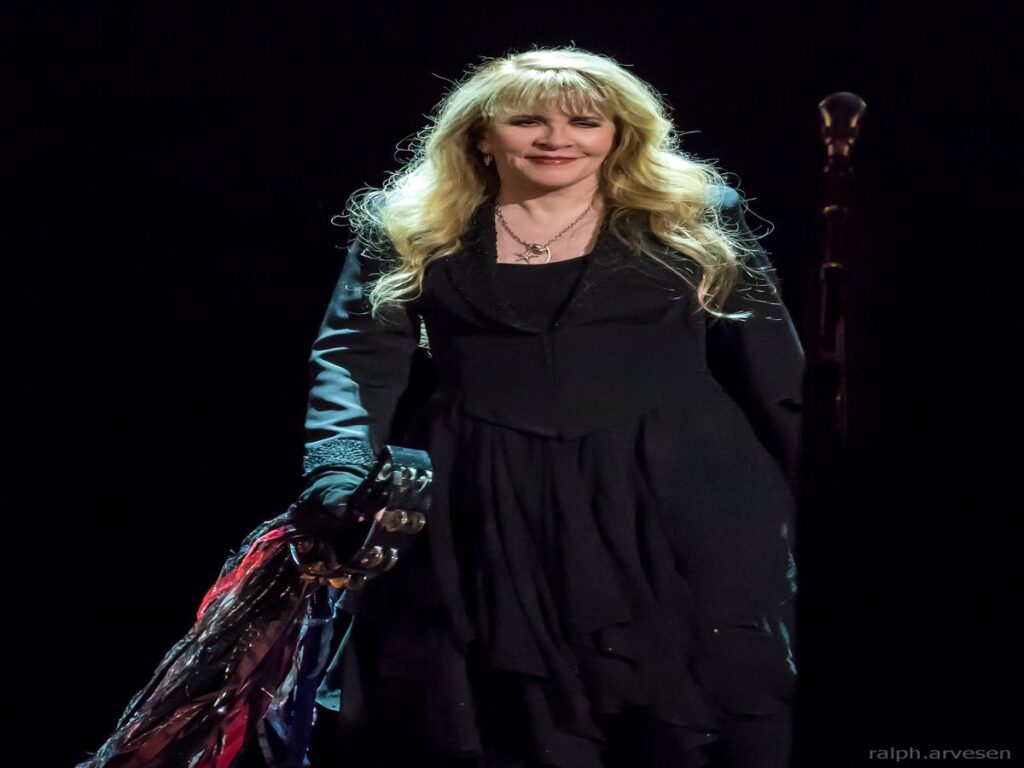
x,y
589,647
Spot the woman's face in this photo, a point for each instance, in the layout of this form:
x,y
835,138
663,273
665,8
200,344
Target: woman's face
x,y
548,150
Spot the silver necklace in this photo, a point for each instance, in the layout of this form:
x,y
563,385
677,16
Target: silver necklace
x,y
532,250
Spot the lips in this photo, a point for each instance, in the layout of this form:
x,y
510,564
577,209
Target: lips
x,y
552,160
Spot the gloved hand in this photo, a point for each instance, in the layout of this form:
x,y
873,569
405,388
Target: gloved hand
x,y
323,503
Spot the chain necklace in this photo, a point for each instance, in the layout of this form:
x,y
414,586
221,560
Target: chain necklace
x,y
532,250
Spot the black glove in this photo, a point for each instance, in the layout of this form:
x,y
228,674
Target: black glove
x,y
323,503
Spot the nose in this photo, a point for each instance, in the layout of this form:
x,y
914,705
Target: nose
x,y
555,135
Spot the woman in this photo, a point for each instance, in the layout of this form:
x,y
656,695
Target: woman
x,y
606,577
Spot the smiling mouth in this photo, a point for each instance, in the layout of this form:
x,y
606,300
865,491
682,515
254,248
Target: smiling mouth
x,y
552,160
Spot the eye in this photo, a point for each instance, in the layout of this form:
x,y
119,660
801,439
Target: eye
x,y
528,121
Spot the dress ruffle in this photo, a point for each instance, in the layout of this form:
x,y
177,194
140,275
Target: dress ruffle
x,y
571,584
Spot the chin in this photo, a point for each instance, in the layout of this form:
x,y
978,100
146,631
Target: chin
x,y
554,180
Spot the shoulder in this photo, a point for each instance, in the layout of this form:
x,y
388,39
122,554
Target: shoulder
x,y
364,244
724,197
732,210
361,225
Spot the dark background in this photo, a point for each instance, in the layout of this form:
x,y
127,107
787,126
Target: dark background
x,y
174,167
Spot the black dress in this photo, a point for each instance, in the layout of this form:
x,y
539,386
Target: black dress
x,y
591,646
539,290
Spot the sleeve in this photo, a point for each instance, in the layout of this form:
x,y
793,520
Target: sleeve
x,y
359,367
760,361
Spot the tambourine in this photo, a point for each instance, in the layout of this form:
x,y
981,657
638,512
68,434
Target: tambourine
x,y
396,497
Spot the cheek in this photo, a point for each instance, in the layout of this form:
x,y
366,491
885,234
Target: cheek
x,y
513,148
601,148
603,144
609,142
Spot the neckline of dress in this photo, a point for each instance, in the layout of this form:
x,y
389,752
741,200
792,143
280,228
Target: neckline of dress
x,y
481,247
542,264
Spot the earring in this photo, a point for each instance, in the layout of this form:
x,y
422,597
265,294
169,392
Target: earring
x,y
487,158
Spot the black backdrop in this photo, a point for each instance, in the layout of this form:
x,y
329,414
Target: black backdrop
x,y
174,167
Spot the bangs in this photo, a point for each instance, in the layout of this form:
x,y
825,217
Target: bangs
x,y
564,89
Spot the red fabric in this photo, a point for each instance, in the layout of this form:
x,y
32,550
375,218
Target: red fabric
x,y
258,553
232,739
